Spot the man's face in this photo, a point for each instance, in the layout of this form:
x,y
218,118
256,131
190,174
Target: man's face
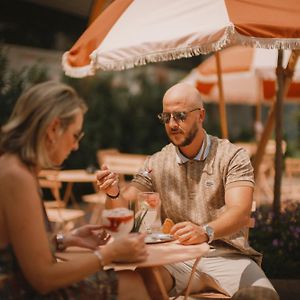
x,y
182,132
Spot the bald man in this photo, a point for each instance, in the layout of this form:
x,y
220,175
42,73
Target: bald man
x,y
206,187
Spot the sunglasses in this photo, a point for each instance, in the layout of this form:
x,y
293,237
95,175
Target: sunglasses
x,y
78,136
165,117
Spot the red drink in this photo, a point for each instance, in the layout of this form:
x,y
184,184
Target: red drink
x,y
118,221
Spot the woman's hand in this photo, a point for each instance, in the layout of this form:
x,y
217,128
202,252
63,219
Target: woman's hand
x,y
129,248
107,181
87,236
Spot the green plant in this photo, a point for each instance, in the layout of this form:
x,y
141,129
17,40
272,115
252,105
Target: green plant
x,y
13,83
279,240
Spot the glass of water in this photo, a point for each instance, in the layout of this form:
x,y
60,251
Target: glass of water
x,y
149,210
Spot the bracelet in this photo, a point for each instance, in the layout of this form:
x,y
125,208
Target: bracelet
x,y
99,256
113,197
59,239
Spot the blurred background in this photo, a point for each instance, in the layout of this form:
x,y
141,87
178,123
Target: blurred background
x,y
122,105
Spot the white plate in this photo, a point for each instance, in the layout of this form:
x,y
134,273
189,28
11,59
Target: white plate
x,y
155,238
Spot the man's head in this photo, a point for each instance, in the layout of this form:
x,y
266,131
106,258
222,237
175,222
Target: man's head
x,y
183,115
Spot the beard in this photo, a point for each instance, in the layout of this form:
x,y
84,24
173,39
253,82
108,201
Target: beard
x,y
190,136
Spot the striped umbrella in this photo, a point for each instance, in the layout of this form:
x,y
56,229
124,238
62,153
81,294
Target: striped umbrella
x,y
135,32
249,76
130,33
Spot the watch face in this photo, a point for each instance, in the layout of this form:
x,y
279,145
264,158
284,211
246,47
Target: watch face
x,y
210,233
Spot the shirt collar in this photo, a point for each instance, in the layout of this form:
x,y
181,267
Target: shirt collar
x,y
201,155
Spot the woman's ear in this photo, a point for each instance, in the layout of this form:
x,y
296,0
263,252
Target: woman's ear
x,y
53,130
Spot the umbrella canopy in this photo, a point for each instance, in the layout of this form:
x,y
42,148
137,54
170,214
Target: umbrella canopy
x,y
248,74
130,33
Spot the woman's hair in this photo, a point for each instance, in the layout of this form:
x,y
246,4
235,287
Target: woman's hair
x,y
24,133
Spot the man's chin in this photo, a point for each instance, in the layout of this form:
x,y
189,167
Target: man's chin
x,y
176,142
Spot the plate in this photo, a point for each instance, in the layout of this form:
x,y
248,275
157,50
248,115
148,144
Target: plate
x,y
155,238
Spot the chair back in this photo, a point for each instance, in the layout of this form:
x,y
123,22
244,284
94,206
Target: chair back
x,y
292,167
48,180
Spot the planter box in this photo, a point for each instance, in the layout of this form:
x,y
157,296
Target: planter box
x,y
288,289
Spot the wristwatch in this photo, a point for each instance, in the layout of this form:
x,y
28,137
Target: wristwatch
x,y
209,232
59,239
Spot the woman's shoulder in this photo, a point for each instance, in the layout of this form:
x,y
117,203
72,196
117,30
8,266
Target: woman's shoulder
x,y
13,170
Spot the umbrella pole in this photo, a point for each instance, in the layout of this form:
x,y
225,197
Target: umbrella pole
x,y
222,108
271,118
278,135
284,78
96,8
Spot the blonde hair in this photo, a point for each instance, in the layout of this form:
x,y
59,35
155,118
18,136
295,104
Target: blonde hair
x,y
25,131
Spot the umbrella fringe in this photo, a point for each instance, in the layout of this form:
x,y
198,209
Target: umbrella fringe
x,y
230,37
267,43
166,55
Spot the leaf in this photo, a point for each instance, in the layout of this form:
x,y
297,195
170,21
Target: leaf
x,y
138,221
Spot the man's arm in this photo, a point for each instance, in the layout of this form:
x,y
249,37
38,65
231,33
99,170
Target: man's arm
x,y
238,200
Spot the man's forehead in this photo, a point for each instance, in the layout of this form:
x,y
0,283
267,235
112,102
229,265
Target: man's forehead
x,y
179,100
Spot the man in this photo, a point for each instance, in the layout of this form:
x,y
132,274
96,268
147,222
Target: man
x,y
206,187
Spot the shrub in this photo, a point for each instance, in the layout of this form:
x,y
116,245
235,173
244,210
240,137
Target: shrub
x,y
278,240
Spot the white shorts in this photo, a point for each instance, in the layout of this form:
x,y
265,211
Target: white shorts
x,y
226,274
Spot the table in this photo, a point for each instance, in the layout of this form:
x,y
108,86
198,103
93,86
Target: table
x,y
159,255
74,176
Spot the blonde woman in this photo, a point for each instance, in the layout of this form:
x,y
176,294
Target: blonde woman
x,y
45,126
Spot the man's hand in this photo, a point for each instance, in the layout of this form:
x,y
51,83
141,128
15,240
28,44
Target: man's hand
x,y
107,181
188,233
87,236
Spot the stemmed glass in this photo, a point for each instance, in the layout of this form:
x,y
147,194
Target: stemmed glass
x,y
149,211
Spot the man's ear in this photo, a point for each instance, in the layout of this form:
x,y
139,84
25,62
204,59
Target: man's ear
x,y
202,115
53,129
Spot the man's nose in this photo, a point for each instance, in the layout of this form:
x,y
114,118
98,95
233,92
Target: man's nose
x,y
172,122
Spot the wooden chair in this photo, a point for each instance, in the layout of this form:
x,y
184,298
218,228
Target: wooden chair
x,y
208,282
292,167
291,186
96,203
62,217
266,174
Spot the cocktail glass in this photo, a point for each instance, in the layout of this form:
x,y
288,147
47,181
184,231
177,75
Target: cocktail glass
x,y
118,221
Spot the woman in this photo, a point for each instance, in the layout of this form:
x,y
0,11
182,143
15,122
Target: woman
x,y
45,126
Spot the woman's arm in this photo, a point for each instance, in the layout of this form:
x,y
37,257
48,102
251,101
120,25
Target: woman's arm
x,y
27,234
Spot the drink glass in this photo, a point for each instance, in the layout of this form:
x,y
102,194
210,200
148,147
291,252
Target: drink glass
x,y
149,208
118,221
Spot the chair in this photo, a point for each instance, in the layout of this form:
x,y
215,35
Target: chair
x,y
96,204
266,172
292,167
209,286
62,217
291,187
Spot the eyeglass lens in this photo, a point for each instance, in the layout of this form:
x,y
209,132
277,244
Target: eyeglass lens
x,y
165,117
78,136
